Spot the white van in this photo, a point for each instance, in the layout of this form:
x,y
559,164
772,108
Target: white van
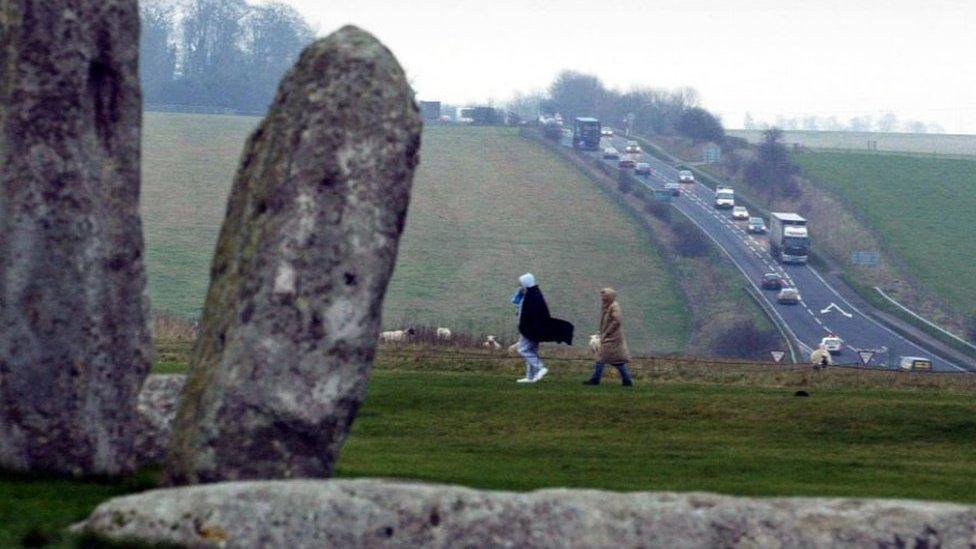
x,y
724,197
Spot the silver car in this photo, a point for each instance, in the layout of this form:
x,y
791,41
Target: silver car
x,y
788,296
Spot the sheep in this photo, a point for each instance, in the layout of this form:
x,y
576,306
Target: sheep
x,y
595,343
491,343
513,348
820,358
397,336
444,333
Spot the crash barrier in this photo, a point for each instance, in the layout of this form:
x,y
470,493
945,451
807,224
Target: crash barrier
x,y
924,320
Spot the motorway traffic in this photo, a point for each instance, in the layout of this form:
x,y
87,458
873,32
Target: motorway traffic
x,y
821,311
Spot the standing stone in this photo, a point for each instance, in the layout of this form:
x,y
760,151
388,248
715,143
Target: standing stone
x,y
74,341
302,263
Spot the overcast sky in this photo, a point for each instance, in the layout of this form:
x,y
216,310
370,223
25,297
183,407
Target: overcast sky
x,y
769,57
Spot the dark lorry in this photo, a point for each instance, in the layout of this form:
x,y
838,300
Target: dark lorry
x,y
586,133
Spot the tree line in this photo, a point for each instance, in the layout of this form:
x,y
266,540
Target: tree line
x,y
884,122
644,110
219,54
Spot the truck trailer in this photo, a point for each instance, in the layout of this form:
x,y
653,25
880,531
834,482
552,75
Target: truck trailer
x,y
586,133
789,241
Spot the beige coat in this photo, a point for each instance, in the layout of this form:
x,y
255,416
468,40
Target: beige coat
x,y
613,346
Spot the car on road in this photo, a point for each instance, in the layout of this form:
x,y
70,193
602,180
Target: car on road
x,y
772,281
632,147
833,344
685,176
756,225
740,213
915,363
626,163
673,188
606,132
724,197
788,296
642,168
611,153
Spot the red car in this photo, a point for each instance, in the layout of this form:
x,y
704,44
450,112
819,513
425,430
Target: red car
x,y
772,281
626,163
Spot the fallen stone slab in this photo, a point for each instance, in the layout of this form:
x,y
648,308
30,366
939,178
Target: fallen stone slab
x,y
382,513
158,400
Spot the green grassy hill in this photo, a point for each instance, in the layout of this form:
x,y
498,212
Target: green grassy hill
x,y
487,207
923,208
188,163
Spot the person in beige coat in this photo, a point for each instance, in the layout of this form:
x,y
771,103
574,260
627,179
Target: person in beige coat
x,y
613,346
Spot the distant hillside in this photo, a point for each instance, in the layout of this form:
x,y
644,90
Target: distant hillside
x,y
487,207
922,207
858,141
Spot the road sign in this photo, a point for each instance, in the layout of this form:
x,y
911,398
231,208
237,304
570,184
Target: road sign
x,y
865,356
662,195
839,310
865,258
778,355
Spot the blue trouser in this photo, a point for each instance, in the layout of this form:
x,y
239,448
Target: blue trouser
x,y
530,352
622,368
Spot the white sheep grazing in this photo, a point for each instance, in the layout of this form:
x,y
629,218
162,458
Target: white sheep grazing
x,y
595,343
393,337
491,343
444,333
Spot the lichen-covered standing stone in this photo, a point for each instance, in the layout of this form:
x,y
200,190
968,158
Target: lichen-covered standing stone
x,y
74,342
302,263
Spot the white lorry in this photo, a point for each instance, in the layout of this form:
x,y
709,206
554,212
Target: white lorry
x,y
724,197
789,241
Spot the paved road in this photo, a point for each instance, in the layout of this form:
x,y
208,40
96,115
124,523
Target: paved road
x,y
822,310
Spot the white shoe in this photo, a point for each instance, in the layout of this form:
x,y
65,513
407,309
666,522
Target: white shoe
x,y
524,380
542,372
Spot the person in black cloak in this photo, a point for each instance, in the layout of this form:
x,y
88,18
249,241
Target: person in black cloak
x,y
536,326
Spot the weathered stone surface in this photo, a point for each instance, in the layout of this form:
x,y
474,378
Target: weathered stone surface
x,y
157,404
376,513
302,263
74,341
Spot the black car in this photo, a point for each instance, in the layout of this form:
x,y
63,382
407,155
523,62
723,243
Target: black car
x,y
772,281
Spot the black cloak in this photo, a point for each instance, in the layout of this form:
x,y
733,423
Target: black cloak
x,y
537,324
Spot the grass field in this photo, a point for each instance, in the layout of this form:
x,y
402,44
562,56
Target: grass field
x,y
920,143
486,207
923,208
489,206
188,163
437,416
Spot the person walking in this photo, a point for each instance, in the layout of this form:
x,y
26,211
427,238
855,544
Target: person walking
x,y
613,346
535,326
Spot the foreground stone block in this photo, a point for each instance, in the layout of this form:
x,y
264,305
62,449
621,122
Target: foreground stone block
x,y
376,513
74,341
302,263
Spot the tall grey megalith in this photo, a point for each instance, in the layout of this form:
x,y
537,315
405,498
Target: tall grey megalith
x,y
302,263
75,345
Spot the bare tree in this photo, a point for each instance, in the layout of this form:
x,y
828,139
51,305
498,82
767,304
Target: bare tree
x,y
157,44
888,122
